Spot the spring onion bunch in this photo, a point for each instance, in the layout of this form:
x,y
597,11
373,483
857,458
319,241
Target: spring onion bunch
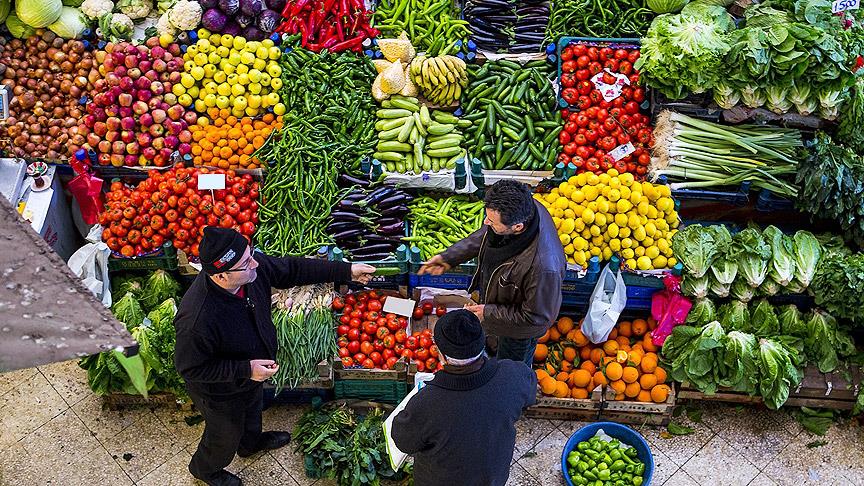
x,y
305,332
703,154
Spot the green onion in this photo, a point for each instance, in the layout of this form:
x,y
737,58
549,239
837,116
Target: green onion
x,y
696,153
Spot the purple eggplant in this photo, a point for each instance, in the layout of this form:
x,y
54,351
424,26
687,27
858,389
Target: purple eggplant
x,y
345,178
393,229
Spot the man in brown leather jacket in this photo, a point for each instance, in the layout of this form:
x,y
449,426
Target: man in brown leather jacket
x,y
520,267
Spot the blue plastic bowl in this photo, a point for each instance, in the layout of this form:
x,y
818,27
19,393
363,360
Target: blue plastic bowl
x,y
623,433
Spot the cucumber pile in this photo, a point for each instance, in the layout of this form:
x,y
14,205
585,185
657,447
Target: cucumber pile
x,y
414,139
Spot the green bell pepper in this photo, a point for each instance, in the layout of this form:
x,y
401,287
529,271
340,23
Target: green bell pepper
x,y
618,465
637,481
604,475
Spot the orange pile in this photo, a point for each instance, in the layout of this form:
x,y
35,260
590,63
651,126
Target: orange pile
x,y
228,142
570,366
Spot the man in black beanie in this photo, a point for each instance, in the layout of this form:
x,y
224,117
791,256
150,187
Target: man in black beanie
x,y
226,343
460,427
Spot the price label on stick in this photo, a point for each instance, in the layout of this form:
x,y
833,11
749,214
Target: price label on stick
x,y
211,182
622,151
843,5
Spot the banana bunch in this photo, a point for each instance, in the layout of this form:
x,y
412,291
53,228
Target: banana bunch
x,y
411,138
440,78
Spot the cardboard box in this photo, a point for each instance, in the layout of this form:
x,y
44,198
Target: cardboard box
x,y
451,299
50,216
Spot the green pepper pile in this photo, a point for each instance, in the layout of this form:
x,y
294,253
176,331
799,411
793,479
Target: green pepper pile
x,y
596,462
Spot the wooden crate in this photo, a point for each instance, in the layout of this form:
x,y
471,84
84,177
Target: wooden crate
x,y
817,390
601,406
586,409
399,373
636,413
124,401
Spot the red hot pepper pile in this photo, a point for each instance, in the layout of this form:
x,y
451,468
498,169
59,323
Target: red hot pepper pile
x,y
335,25
594,128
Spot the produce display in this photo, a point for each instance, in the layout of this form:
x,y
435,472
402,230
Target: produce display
x,y
146,305
327,24
570,366
618,18
613,214
704,154
514,117
228,72
749,263
507,26
366,336
167,206
369,224
604,461
304,333
437,224
412,138
838,286
607,129
431,25
230,142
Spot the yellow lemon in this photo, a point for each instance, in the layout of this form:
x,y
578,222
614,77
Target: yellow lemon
x,y
614,194
621,219
564,238
633,220
627,253
568,225
604,178
626,243
662,244
595,230
624,232
652,252
639,250
643,263
569,213
671,262
600,219
597,241
569,249
612,230
660,262
579,225
623,205
592,180
626,179
587,216
595,251
615,183
639,233
648,242
615,244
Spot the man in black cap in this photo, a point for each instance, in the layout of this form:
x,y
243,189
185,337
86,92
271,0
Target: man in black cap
x,y
226,343
460,427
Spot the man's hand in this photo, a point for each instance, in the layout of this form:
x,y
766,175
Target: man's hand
x,y
360,272
477,310
435,266
263,369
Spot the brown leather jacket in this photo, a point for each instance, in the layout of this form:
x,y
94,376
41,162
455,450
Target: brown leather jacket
x,y
523,296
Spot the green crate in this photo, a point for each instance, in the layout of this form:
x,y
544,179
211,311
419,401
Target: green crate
x,y
164,259
385,391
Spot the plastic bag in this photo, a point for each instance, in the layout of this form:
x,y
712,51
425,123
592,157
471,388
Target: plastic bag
x,y
669,308
87,190
607,302
90,264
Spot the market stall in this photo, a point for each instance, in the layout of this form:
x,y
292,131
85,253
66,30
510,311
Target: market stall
x,y
703,165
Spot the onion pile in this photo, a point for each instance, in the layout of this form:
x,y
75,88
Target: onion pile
x,y
46,76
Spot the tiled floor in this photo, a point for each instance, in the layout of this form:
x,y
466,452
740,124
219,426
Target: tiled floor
x,y
53,431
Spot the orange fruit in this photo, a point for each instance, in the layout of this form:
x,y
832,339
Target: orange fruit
x,y
622,356
644,396
640,327
613,334
619,397
607,359
562,376
622,341
540,353
647,381
548,385
647,344
610,347
597,355
614,371
580,393
585,353
581,378
579,338
554,335
634,357
570,353
652,324
541,374
632,390
660,373
649,363
659,393
545,338
618,385
588,366
564,325
562,390
566,366
600,379
630,374
638,347
624,329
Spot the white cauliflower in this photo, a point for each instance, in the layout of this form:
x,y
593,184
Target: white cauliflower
x,y
163,25
95,9
135,9
185,15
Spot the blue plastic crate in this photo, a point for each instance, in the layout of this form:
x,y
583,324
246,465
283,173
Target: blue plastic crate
x,y
735,197
768,202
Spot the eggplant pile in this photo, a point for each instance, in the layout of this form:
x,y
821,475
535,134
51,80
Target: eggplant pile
x,y
508,25
369,224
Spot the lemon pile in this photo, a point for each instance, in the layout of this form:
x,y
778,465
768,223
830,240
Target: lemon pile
x,y
614,214
229,72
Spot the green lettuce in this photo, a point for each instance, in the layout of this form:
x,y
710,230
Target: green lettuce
x,y
740,361
764,319
695,287
705,365
696,247
777,373
725,267
782,268
792,321
128,311
741,290
735,315
702,312
807,252
754,256
158,287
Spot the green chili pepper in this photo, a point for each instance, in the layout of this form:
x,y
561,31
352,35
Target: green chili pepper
x,y
640,469
637,481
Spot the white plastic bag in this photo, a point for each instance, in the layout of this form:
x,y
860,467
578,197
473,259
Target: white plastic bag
x,y
90,264
604,308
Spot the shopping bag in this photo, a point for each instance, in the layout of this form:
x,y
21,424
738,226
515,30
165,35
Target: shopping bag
x,y
669,308
87,190
607,302
90,264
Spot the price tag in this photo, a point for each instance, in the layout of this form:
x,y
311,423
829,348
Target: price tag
x,y
843,5
211,182
610,91
622,151
401,307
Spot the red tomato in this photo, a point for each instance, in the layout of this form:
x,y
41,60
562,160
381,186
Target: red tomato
x,y
418,313
354,347
366,348
582,62
567,54
421,354
583,75
571,127
344,353
440,310
431,363
584,87
570,148
391,362
563,137
382,332
564,158
570,95
347,362
343,330
378,345
568,80
374,305
411,342
569,66
370,328
368,364
376,357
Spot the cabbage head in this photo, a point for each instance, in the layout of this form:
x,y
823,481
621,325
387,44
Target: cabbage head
x,y
17,28
38,13
70,25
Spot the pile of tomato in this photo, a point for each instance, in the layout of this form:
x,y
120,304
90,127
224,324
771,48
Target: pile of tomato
x,y
595,127
372,339
167,206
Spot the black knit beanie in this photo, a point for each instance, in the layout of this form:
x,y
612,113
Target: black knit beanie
x,y
458,335
220,249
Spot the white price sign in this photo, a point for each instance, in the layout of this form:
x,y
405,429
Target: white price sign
x,y
622,151
843,5
211,182
610,91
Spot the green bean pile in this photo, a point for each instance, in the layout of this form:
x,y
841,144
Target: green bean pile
x,y
438,223
431,24
598,18
305,333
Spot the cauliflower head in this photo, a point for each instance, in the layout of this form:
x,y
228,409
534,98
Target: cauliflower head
x,y
95,9
185,15
163,25
135,9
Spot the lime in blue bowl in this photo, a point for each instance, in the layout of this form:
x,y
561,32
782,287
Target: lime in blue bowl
x,y
623,434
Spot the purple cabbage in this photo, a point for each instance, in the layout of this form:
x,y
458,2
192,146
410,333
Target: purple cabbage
x,y
244,20
268,20
251,7
252,33
276,5
229,7
214,20
207,4
232,28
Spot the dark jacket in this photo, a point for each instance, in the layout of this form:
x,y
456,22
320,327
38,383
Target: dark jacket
x,y
218,333
461,428
523,296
